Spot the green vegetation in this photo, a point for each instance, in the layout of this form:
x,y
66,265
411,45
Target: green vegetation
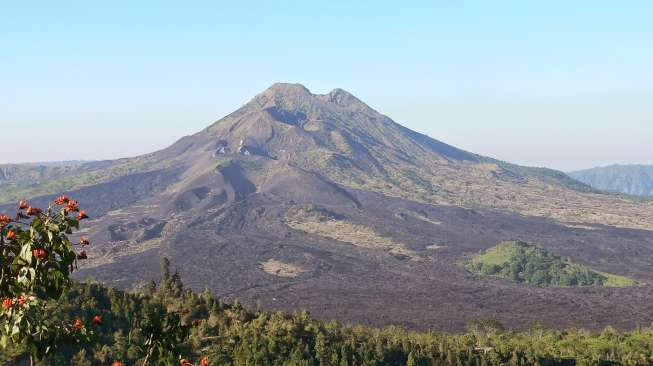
x,y
36,261
529,264
20,180
29,180
229,334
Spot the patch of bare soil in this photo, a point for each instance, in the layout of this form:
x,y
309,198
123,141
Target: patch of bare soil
x,y
281,269
436,247
347,232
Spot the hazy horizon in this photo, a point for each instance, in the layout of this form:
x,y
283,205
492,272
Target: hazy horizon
x,y
566,86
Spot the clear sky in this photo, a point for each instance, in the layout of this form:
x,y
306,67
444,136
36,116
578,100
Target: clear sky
x,y
563,84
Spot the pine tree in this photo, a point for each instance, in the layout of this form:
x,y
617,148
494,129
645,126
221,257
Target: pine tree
x,y
321,349
176,286
165,274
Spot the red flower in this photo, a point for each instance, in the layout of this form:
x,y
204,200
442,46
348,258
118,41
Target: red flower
x,y
72,206
97,320
184,362
84,241
4,220
196,323
117,363
82,255
33,211
78,324
82,215
22,300
39,253
61,200
204,361
11,235
7,304
23,205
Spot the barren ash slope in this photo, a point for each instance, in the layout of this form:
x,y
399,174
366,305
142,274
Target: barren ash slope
x,y
299,200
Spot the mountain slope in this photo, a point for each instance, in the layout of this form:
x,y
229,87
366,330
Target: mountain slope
x,y
342,139
636,180
18,181
298,200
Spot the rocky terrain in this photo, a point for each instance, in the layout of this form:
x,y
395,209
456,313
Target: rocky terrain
x,y
299,200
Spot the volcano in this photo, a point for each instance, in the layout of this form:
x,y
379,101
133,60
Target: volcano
x,y
319,202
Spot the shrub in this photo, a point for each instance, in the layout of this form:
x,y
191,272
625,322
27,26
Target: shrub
x,y
36,260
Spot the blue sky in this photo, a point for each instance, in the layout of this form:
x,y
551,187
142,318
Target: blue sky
x,y
560,84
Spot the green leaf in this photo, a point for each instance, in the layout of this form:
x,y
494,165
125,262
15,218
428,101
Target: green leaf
x,y
26,276
26,253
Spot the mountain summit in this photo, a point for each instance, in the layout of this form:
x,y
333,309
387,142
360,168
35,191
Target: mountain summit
x,y
342,140
301,200
289,123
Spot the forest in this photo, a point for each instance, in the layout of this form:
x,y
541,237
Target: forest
x,y
529,264
205,327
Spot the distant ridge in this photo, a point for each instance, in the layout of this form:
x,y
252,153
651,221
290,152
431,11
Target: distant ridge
x,y
636,180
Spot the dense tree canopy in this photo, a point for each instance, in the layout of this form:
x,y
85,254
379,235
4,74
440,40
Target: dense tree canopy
x,y
525,263
228,334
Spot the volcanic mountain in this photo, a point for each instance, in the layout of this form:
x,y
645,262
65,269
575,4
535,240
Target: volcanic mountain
x,y
298,200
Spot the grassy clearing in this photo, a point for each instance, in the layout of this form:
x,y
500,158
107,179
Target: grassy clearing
x,y
529,264
614,280
497,255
